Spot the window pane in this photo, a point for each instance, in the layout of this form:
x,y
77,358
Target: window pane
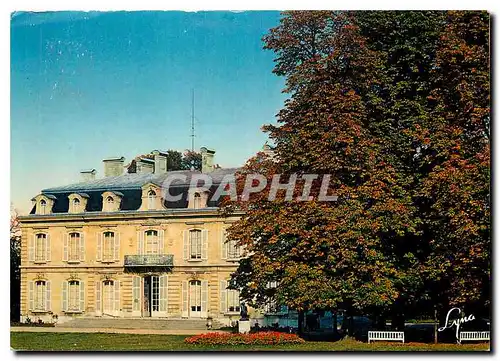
x,y
108,246
40,295
74,247
40,247
195,244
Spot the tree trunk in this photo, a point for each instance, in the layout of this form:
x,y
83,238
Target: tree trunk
x,y
301,323
334,314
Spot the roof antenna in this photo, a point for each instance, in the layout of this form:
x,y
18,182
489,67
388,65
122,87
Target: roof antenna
x,y
192,130
192,122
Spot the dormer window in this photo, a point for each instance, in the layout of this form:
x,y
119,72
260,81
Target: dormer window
x,y
75,205
111,201
151,200
78,202
198,198
43,207
197,201
43,203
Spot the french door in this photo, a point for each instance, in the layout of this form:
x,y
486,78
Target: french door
x,y
195,299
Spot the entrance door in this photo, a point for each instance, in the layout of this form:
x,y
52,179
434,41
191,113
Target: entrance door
x,y
194,298
151,304
108,297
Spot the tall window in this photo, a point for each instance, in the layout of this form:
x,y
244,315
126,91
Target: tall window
x,y
40,247
73,296
152,242
74,247
151,200
197,201
233,301
195,244
40,295
233,250
43,207
108,246
75,205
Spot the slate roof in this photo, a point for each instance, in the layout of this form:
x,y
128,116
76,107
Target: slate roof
x,y
130,185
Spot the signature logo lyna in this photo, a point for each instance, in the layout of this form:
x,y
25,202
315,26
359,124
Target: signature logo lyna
x,y
456,322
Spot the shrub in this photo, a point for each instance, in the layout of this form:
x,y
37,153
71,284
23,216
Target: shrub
x,y
258,338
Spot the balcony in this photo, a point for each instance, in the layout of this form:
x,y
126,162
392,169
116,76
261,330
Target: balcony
x,y
149,260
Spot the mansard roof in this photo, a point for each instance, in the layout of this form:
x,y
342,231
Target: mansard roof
x,y
130,185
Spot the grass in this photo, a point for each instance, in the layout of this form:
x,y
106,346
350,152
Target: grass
x,y
52,341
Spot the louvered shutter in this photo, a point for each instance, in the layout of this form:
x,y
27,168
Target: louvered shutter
x,y
31,248
186,245
82,296
163,293
136,293
99,246
65,247
204,298
82,246
98,296
47,297
31,291
161,243
185,299
223,245
116,248
64,296
204,246
47,247
117,296
140,242
223,296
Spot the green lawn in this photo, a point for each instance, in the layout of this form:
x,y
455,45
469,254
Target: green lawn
x,y
41,341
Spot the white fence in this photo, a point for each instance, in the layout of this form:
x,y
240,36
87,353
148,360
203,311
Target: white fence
x,y
474,336
386,336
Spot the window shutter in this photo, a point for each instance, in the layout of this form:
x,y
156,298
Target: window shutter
x,y
64,295
185,299
117,295
82,246
186,244
161,242
204,298
204,247
140,242
136,293
65,247
82,296
99,246
224,245
31,295
47,297
163,293
98,296
47,247
116,248
31,248
223,296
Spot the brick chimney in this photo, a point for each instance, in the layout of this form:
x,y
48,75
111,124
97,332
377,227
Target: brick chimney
x,y
144,165
113,166
88,175
160,162
207,160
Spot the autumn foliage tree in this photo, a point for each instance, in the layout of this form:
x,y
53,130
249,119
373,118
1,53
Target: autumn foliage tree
x,y
378,101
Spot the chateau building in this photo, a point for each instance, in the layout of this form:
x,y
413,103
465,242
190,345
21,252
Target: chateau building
x,y
117,247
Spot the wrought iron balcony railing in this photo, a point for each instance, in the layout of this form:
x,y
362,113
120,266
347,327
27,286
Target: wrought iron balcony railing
x,y
138,260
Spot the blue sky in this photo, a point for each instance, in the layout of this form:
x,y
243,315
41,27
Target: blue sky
x,y
86,86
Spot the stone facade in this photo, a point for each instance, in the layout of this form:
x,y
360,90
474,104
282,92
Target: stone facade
x,y
114,247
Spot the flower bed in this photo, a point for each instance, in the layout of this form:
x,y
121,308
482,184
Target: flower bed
x,y
258,338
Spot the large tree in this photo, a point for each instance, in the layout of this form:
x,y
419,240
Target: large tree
x,y
395,106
